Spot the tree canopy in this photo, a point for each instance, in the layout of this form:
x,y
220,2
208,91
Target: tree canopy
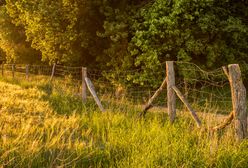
x,y
125,35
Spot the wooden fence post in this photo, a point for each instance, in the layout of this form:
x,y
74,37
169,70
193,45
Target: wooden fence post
x,y
238,91
149,103
53,71
13,70
93,93
27,72
171,97
186,103
84,89
2,69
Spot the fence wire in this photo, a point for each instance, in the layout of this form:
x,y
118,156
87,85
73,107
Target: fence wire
x,y
205,91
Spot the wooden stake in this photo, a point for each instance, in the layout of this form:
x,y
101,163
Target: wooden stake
x,y
13,70
149,104
84,91
27,72
226,72
93,93
238,91
171,97
230,117
184,100
53,71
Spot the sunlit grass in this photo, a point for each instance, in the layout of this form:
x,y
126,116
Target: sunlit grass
x,y
43,127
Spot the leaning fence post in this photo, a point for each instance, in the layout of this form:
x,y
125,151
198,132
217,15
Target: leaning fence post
x,y
27,72
2,69
13,70
238,91
171,97
149,103
188,106
53,71
84,89
93,93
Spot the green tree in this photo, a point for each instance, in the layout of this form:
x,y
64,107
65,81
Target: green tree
x,y
64,31
129,35
13,41
209,33
116,33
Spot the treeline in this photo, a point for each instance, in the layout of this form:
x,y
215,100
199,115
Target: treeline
x,y
124,35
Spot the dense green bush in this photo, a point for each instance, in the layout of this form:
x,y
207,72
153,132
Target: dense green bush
x,y
209,33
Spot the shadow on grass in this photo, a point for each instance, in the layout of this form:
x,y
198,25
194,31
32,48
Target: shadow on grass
x,y
60,102
65,104
15,81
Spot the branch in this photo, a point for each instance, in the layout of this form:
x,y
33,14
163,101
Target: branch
x,y
226,122
149,104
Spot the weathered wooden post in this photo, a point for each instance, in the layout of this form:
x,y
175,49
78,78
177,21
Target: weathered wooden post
x,y
93,93
13,70
156,94
84,88
53,71
238,91
188,106
27,72
171,97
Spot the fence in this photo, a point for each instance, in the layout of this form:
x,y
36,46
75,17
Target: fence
x,y
218,91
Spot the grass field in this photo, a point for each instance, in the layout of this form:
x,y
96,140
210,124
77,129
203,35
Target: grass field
x,y
43,127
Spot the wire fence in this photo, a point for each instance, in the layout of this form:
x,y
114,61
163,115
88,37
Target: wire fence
x,y
205,91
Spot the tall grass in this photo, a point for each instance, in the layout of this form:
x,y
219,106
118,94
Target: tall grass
x,y
42,127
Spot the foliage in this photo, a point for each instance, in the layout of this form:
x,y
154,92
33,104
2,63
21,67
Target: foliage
x,y
13,41
117,32
130,35
62,30
210,33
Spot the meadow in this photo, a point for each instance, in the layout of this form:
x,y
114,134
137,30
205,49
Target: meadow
x,y
40,126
